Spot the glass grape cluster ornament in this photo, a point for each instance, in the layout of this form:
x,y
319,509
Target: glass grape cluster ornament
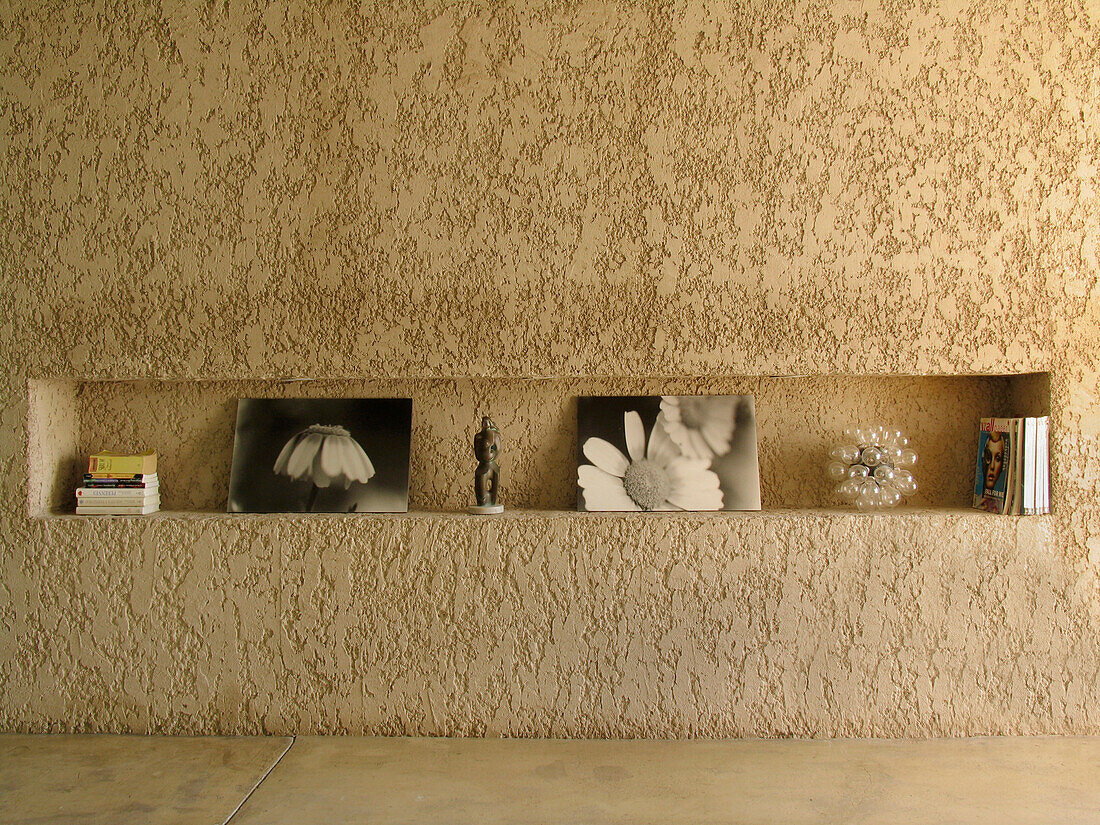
x,y
872,467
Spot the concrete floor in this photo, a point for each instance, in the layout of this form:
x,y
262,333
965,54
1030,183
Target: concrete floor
x,y
124,779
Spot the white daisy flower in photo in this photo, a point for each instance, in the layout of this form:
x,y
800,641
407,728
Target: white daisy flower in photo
x,y
653,477
324,455
700,425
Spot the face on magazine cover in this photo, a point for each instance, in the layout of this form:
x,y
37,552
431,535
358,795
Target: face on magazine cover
x,y
993,459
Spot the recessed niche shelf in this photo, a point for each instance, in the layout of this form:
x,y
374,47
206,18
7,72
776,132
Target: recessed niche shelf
x,y
191,423
822,513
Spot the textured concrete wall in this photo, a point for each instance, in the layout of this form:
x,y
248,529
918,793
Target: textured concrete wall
x,y
590,192
929,623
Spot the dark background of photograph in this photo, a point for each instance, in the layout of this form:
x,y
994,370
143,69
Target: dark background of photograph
x,y
382,426
738,470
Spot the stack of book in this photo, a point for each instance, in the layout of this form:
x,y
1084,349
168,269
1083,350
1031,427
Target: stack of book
x,y
1013,471
119,485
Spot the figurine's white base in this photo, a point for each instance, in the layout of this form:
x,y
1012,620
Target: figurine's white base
x,y
485,509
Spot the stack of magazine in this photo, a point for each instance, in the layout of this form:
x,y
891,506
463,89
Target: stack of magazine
x,y
119,485
1013,475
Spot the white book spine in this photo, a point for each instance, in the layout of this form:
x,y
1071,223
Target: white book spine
x,y
101,504
1044,464
117,492
117,511
1030,459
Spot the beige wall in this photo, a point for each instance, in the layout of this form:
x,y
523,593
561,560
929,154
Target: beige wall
x,y
600,195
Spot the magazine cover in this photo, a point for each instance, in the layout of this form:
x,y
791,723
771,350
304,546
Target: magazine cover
x,y
992,485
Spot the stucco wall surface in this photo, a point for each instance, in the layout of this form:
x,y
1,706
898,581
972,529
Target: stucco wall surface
x,y
236,192
930,623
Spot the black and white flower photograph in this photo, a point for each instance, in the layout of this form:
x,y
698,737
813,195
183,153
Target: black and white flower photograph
x,y
673,452
321,455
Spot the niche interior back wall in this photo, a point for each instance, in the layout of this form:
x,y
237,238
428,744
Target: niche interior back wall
x,y
209,191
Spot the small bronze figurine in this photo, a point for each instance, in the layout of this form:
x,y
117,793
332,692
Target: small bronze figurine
x,y
487,475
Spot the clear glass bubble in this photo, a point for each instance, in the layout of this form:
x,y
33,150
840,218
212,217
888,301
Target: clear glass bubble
x,y
837,470
908,458
848,489
872,456
868,495
858,471
906,486
848,453
884,472
868,488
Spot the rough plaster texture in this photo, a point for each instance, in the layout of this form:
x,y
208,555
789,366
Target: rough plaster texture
x,y
431,193
801,623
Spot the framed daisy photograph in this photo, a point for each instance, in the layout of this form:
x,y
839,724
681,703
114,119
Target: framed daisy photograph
x,y
670,452
321,455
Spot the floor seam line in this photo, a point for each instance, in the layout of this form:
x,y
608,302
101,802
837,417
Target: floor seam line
x,y
261,780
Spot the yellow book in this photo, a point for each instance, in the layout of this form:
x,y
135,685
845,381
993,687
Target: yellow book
x,y
122,464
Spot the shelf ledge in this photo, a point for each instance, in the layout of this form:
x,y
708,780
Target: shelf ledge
x,y
534,514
